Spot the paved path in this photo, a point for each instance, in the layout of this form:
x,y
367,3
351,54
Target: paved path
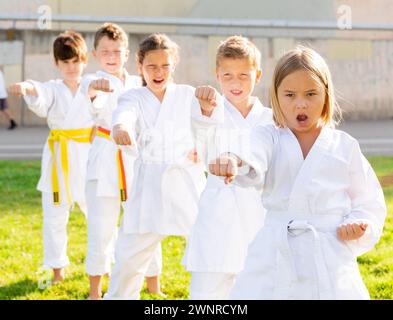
x,y
22,143
375,137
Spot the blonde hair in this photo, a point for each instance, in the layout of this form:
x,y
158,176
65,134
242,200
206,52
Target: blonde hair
x,y
238,47
303,58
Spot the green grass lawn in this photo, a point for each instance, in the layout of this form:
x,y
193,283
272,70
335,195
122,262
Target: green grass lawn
x,y
21,276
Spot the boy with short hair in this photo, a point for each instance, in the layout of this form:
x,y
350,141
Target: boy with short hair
x,y
229,216
64,158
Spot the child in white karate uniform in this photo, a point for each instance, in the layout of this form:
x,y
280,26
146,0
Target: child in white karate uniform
x,y
325,206
229,216
109,172
64,159
156,121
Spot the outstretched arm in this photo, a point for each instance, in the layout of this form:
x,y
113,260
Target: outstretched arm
x,y
253,160
226,166
39,96
124,119
20,89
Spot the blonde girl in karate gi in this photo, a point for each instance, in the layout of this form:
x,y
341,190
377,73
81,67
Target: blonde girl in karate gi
x,y
109,171
229,216
64,158
325,206
155,122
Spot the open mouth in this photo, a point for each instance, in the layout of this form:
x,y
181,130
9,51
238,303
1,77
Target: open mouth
x,y
302,118
158,81
236,92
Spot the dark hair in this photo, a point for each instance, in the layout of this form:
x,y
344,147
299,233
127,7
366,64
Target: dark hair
x,y
69,45
113,32
156,41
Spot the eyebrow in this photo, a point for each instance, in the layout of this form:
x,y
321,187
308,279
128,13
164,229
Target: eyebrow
x,y
309,90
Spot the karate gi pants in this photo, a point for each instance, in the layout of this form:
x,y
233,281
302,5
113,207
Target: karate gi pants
x,y
211,285
55,231
102,234
133,254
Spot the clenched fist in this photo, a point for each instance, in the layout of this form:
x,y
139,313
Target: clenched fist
x,y
103,85
225,166
351,231
207,97
120,135
21,89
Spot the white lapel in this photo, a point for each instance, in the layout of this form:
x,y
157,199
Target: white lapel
x,y
70,106
132,81
235,118
292,153
255,114
303,169
258,114
168,107
150,108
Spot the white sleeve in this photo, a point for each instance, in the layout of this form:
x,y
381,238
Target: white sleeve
x,y
44,100
85,83
368,203
102,101
204,127
256,159
202,121
126,113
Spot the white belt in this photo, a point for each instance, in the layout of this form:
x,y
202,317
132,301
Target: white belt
x,y
295,225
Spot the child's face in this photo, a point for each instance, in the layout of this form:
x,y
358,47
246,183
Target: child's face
x,y
302,99
157,68
111,55
71,69
237,79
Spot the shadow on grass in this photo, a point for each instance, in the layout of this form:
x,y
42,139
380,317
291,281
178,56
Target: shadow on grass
x,y
18,289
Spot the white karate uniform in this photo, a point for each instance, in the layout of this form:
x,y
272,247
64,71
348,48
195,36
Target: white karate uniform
x,y
167,184
297,254
63,110
229,216
103,195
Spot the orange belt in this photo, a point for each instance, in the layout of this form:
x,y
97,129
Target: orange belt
x,y
105,133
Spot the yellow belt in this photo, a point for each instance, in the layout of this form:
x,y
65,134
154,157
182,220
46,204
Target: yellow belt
x,y
105,133
62,137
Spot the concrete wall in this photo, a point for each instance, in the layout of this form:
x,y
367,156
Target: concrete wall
x,y
361,61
